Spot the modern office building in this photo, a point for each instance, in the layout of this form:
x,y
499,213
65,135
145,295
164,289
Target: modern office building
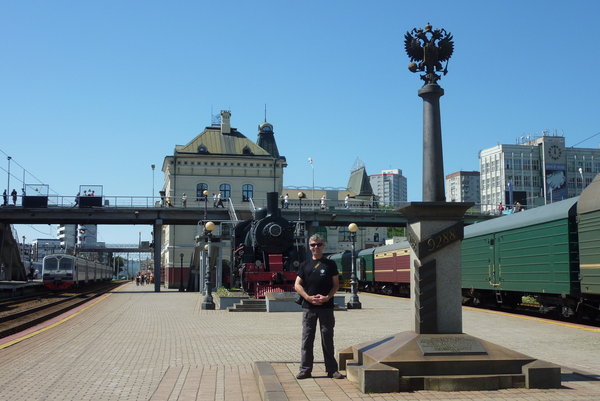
x,y
463,186
80,236
390,186
535,171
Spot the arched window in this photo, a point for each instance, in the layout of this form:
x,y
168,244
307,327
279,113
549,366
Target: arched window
x,y
200,188
247,192
225,190
247,151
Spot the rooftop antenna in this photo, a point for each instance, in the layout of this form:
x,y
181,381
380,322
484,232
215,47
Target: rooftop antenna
x,y
265,112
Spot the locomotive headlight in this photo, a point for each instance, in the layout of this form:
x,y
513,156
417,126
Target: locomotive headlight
x,y
273,230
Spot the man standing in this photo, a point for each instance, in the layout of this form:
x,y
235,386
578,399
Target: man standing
x,y
317,282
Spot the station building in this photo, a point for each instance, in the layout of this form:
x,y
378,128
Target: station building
x,y
535,171
219,160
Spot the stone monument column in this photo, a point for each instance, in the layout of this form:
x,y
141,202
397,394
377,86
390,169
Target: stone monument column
x,y
435,227
437,355
433,160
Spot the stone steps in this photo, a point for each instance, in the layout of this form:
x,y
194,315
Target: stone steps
x,y
249,305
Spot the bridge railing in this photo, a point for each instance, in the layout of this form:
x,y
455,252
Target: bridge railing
x,y
353,205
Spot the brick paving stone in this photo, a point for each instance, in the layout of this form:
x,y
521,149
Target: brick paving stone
x,y
140,345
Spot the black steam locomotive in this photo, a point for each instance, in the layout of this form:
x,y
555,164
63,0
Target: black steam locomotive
x,y
268,250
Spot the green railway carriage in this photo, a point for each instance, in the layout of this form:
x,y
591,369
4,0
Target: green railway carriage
x,y
366,267
343,261
588,210
533,252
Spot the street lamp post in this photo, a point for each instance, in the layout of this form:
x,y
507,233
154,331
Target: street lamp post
x,y
581,174
354,303
301,195
310,161
181,272
152,197
208,303
23,257
205,193
8,184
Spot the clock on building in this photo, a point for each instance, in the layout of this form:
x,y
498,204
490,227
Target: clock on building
x,y
554,152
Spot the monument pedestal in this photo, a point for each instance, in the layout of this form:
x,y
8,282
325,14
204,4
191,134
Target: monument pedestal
x,y
437,355
409,361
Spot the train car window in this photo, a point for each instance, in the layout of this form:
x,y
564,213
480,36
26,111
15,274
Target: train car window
x,y
66,264
51,264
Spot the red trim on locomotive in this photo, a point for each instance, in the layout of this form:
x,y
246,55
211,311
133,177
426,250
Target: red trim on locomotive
x,y
268,277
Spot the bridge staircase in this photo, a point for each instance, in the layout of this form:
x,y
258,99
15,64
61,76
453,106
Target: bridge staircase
x,y
232,213
12,267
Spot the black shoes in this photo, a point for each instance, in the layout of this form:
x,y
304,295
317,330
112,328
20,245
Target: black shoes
x,y
306,375
303,375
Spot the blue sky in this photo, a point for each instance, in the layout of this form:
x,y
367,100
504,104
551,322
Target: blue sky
x,y
94,92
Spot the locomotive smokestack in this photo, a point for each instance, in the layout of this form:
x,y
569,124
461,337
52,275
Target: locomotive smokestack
x,y
272,206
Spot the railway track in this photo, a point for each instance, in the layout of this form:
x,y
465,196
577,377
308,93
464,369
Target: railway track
x,y
20,314
525,309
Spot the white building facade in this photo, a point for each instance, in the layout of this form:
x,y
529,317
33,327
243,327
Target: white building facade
x,y
463,186
535,172
220,160
390,186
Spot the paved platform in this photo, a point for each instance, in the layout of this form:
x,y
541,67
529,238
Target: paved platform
x,y
136,344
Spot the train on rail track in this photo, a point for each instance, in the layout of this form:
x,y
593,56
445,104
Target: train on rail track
x,y
547,257
62,271
268,250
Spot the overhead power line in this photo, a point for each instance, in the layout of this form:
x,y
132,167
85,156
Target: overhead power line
x,y
586,139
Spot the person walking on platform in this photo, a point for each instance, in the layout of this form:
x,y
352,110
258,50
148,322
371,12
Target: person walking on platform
x,y
214,199
317,282
14,196
184,200
220,201
286,201
5,198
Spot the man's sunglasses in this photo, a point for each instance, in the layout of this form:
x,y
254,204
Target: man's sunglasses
x,y
314,245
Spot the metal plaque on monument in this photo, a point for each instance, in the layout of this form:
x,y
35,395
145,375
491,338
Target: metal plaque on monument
x,y
437,355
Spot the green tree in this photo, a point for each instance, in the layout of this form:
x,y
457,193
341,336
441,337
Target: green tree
x,y
396,232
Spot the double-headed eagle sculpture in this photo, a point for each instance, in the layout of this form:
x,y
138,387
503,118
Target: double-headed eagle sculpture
x,y
428,49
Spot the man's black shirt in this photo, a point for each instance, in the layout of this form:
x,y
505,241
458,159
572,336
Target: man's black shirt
x,y
317,278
